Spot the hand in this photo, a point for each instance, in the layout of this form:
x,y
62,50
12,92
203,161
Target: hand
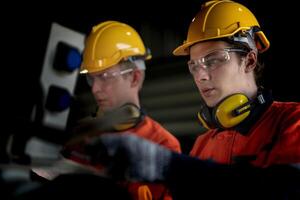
x,y
129,156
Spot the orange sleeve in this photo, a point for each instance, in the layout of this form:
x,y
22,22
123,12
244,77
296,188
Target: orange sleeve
x,y
153,131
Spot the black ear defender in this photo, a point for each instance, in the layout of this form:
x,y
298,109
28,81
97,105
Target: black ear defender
x,y
229,112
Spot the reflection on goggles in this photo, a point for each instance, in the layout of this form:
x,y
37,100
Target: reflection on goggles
x,y
106,76
212,60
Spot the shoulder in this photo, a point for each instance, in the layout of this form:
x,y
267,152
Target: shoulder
x,y
152,130
155,126
286,115
285,110
286,106
201,142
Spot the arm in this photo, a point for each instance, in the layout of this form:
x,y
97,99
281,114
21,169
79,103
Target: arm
x,y
133,158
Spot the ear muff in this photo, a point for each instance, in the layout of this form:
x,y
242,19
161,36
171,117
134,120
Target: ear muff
x,y
232,110
132,116
119,119
229,112
124,117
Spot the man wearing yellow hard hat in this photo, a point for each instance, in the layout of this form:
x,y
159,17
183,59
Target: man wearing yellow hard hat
x,y
114,63
251,149
223,42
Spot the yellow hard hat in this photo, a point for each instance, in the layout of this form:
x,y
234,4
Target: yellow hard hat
x,y
220,19
110,42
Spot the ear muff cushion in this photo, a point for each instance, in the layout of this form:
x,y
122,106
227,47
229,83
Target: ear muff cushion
x,y
224,111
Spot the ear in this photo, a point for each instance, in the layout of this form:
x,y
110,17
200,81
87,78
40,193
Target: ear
x,y
136,78
251,61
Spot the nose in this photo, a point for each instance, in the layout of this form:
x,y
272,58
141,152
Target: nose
x,y
97,86
201,75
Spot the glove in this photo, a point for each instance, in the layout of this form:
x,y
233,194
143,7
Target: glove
x,y
130,157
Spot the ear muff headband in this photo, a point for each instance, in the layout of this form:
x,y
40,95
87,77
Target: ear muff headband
x,y
202,121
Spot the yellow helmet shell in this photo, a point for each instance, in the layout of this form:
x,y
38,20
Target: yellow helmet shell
x,y
219,19
108,43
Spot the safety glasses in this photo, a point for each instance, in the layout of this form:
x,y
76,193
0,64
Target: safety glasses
x,y
212,60
106,77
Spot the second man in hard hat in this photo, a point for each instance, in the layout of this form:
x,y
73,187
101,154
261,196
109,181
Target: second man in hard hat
x,y
114,63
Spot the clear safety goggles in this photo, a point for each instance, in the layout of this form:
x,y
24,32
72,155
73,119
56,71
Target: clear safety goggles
x,y
212,60
106,77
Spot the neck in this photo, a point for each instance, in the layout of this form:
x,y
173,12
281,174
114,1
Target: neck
x,y
252,89
136,100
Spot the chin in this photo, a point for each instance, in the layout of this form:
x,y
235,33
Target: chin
x,y
104,108
210,103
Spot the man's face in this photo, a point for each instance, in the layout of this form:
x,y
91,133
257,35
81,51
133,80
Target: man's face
x,y
224,74
111,88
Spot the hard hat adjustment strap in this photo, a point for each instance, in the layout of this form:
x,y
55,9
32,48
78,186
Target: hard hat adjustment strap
x,y
246,37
